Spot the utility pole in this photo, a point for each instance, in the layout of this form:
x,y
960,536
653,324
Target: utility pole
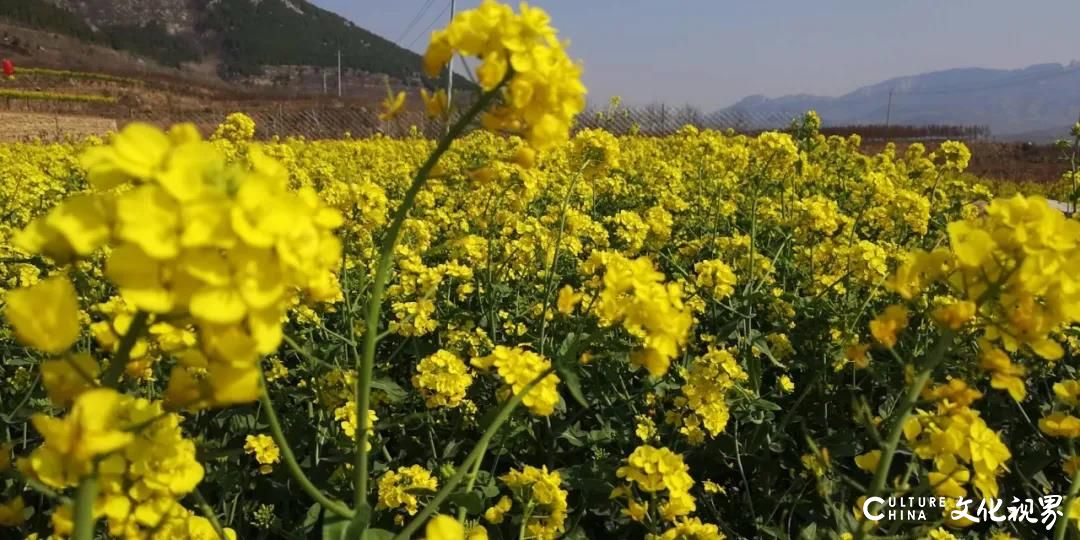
x,y
324,82
450,73
339,73
888,112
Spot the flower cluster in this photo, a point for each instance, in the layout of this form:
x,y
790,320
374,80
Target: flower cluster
x,y
709,379
633,293
45,316
519,367
237,128
264,449
545,91
658,472
228,247
541,492
162,338
715,277
1062,423
348,420
689,529
400,489
442,379
965,451
143,462
1011,265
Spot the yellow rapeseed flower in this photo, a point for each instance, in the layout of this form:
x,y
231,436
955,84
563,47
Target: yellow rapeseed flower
x,y
392,106
544,92
885,326
45,315
12,512
443,527
435,103
264,449
517,368
71,443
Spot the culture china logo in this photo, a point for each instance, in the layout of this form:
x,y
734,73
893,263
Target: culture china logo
x,y
1043,511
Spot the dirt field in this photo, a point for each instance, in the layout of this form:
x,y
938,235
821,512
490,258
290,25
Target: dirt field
x,y
1017,162
17,126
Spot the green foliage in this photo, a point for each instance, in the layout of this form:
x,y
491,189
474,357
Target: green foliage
x,y
251,35
149,40
45,16
152,41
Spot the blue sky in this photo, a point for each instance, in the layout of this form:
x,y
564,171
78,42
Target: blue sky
x,y
712,53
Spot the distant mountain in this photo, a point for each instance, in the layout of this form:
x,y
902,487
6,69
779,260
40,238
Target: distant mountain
x,y
241,36
1039,101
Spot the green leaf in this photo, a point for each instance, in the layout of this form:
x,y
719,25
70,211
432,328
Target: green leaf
x,y
809,533
770,531
571,348
603,434
377,534
730,329
567,344
311,517
573,382
334,528
394,391
576,534
572,439
763,345
472,502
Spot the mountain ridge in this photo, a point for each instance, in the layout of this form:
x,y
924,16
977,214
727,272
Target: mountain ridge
x,y
240,36
1033,99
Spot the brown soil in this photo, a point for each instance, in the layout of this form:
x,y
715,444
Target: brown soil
x,y
50,127
1016,162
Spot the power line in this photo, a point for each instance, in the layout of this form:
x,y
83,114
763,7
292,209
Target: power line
x,y
429,27
416,18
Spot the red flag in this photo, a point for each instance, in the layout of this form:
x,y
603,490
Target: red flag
x,y
9,68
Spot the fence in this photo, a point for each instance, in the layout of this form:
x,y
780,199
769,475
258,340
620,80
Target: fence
x,y
334,120
310,122
662,120
48,120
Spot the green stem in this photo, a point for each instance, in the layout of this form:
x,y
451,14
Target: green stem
x,y
901,414
555,256
473,472
88,487
289,458
208,511
84,508
1074,489
475,455
525,521
41,488
378,288
123,353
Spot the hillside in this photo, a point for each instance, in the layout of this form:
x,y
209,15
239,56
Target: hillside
x,y
1039,101
240,38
